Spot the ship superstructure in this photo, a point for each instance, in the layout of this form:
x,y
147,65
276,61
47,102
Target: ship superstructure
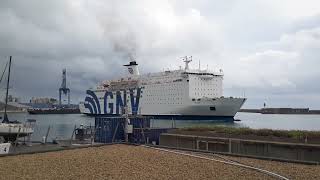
x,y
180,94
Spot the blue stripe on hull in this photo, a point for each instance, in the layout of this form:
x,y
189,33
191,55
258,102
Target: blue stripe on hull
x,y
175,117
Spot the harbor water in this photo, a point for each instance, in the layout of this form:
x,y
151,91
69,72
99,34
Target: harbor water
x,y
62,126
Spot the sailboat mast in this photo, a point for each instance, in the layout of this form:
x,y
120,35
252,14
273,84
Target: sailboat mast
x,y
5,119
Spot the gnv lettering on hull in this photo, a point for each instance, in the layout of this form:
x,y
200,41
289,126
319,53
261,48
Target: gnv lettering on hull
x,y
114,102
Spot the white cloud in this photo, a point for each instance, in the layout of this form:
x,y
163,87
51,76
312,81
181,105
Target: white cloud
x,y
92,39
287,68
296,9
269,68
303,39
259,44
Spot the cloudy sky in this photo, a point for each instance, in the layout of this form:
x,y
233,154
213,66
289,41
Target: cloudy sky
x,y
268,49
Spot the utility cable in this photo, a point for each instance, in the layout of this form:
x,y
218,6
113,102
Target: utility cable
x,y
221,161
5,68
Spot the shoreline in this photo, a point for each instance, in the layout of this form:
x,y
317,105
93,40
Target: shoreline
x,y
294,111
1,112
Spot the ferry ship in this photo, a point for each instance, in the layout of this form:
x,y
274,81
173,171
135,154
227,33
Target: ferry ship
x,y
183,94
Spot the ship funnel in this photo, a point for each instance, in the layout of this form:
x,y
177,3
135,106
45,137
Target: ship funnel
x,y
132,68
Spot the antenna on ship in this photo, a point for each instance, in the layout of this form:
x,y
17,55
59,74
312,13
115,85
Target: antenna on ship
x,y
187,60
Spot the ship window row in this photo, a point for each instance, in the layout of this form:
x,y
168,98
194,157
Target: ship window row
x,y
164,90
201,89
163,99
203,94
205,83
168,84
173,81
172,102
166,94
164,78
178,94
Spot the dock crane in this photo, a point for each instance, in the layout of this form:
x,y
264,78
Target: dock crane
x,y
63,89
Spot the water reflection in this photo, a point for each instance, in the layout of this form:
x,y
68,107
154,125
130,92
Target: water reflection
x,y
163,123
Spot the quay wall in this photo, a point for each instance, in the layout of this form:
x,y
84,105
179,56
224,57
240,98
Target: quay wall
x,y
263,149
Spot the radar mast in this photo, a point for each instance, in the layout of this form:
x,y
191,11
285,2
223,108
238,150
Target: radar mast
x,y
187,60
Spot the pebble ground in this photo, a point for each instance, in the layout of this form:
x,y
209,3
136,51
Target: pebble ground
x,y
136,162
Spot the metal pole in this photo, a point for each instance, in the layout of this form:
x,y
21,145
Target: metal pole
x,y
75,127
114,134
126,130
60,97
16,141
230,146
91,135
5,118
171,122
69,98
9,133
142,132
126,124
125,118
45,142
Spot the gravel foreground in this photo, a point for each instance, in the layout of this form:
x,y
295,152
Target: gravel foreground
x,y
136,162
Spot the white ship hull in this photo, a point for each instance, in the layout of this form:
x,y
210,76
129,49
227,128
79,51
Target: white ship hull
x,y
205,109
180,94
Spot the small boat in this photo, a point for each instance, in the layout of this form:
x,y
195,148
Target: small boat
x,y
10,131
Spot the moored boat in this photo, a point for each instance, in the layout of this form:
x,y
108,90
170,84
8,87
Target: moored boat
x,y
11,130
